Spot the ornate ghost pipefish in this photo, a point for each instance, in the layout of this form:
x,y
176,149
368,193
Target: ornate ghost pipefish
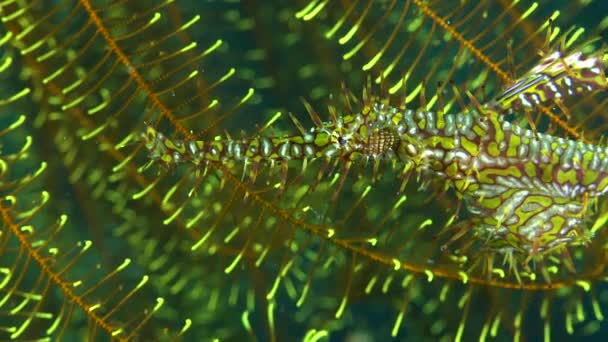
x,y
527,192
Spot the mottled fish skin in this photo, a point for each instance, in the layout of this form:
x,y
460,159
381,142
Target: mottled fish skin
x,y
528,192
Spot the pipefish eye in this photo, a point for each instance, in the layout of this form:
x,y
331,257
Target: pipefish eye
x,y
341,141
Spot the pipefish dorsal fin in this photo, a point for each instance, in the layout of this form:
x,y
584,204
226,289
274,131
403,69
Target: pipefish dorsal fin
x,y
418,46
559,74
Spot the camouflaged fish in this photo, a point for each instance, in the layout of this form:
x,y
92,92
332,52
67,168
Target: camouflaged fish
x,y
527,192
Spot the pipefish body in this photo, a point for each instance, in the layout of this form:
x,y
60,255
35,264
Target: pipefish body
x,y
527,192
